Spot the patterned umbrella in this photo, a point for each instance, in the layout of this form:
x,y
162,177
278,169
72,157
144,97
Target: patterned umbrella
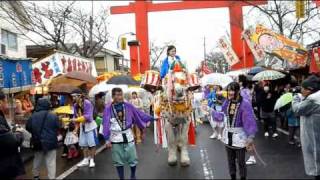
x,y
268,75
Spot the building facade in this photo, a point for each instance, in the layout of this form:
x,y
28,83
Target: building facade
x,y
12,43
107,61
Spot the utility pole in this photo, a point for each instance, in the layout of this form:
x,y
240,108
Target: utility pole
x,y
204,50
91,26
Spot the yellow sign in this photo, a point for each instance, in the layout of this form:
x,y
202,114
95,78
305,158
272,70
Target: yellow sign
x,y
300,8
123,43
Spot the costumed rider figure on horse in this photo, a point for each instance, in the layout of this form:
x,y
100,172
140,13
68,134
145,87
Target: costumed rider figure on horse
x,y
174,106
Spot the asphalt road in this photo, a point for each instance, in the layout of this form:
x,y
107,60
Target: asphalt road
x,y
208,161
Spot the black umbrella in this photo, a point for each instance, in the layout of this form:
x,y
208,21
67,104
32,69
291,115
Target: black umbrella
x,y
255,70
123,79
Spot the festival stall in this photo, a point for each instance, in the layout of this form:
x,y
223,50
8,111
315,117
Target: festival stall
x,y
59,63
15,78
15,74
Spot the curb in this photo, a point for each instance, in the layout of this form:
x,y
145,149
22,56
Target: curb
x,y
74,168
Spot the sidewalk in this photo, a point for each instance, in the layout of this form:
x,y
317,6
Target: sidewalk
x,y
63,164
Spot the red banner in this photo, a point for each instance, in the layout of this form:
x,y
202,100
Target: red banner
x,y
205,69
315,60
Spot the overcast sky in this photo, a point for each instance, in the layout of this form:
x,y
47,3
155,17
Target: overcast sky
x,y
187,28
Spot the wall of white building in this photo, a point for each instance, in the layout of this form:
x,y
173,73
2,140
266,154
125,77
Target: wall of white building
x,y
110,62
20,51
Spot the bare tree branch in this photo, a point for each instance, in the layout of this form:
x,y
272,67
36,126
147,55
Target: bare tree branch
x,y
81,24
216,61
157,51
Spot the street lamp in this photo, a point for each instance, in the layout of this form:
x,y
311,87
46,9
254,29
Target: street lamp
x,y
130,33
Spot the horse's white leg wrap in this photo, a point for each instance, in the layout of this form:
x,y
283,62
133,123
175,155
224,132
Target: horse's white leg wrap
x,y
172,145
185,160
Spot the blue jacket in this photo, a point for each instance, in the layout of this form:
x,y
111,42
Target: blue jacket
x,y
165,67
49,133
211,98
293,120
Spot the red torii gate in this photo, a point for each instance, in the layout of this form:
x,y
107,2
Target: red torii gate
x,y
141,9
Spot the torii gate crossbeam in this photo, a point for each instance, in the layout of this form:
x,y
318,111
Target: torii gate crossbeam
x,y
141,9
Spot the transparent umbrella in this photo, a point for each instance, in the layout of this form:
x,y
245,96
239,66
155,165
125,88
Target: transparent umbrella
x,y
216,79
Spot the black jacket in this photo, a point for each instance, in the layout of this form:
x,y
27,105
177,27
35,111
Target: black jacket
x,y
11,164
258,99
267,104
49,133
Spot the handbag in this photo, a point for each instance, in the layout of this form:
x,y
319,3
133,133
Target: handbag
x,y
35,142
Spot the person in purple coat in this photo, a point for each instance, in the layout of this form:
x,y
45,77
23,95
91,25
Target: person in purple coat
x,y
88,139
240,129
118,118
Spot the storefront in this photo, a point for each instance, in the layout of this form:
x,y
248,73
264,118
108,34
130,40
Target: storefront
x,y
15,78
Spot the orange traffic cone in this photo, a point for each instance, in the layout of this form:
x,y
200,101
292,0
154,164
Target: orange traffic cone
x,y
192,134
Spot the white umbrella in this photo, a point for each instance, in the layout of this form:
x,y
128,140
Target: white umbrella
x,y
96,89
134,89
268,75
216,79
236,73
104,87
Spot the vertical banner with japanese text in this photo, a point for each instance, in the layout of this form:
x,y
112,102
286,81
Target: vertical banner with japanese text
x,y
227,51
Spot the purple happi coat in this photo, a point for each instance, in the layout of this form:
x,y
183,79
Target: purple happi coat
x,y
245,117
132,115
87,110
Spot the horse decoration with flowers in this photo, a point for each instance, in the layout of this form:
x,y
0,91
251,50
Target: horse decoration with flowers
x,y
175,129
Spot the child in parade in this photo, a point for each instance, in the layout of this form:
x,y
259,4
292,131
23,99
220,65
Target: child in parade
x,y
172,62
240,129
83,113
71,140
211,97
204,114
137,102
118,118
294,126
216,123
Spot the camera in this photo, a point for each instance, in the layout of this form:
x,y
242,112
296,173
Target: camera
x,y
15,127
296,90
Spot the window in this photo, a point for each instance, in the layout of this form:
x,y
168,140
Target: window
x,y
99,62
116,64
9,39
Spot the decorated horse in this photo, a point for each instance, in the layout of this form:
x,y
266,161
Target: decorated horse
x,y
174,129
